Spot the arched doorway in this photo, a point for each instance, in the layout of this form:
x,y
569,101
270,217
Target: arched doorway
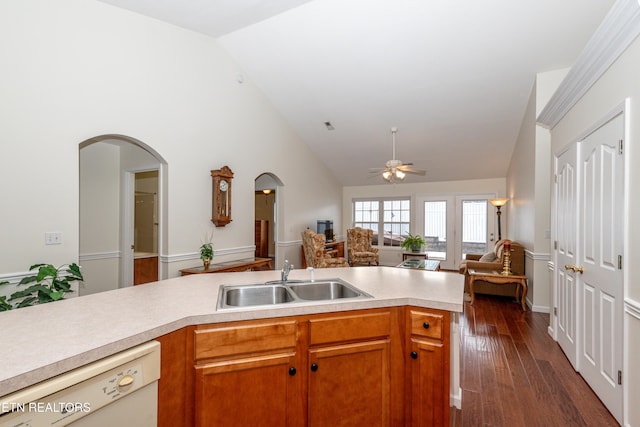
x,y
112,169
268,189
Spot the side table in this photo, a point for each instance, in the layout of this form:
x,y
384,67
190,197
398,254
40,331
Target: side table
x,y
247,264
493,276
421,255
417,264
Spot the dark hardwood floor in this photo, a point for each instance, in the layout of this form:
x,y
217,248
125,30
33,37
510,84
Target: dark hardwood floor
x,y
514,374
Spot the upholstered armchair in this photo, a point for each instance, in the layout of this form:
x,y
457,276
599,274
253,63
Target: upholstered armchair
x,y
359,246
493,260
315,253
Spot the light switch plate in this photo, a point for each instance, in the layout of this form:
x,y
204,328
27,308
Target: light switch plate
x,y
53,238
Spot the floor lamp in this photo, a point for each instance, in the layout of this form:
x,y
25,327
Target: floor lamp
x,y
498,203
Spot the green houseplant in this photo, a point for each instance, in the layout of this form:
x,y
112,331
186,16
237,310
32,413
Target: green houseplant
x,y
412,243
206,254
48,285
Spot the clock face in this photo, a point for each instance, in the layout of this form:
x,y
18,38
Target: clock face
x,y
224,185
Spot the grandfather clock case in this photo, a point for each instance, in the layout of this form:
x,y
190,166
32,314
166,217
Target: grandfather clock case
x,y
221,197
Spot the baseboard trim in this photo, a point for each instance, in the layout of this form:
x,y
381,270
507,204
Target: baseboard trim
x,y
539,308
456,399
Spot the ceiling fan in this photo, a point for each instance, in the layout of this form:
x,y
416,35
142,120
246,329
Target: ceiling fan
x,y
396,170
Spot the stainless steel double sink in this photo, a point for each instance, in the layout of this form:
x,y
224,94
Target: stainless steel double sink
x,y
278,292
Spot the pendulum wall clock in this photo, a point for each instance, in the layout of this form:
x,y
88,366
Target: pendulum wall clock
x,y
221,200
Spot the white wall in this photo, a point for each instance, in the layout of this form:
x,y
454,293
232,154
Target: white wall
x,y
618,83
100,217
529,191
75,69
393,256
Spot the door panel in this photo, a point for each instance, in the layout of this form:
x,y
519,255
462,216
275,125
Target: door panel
x,y
437,220
601,236
566,231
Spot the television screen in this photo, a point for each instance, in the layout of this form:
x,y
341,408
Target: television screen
x,y
325,227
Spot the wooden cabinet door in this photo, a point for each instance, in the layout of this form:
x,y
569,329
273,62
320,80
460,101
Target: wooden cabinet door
x,y
256,391
349,385
429,397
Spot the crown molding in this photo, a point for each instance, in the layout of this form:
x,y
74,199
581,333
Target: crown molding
x,y
617,31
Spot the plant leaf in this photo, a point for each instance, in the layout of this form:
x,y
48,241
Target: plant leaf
x,y
26,292
26,302
27,279
75,271
4,305
47,271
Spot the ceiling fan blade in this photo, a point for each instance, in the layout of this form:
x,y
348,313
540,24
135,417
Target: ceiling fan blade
x,y
415,171
377,170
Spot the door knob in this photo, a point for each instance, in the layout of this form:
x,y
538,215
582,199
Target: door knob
x,y
575,268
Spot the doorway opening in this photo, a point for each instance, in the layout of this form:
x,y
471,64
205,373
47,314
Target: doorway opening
x,y
145,227
454,226
267,190
109,166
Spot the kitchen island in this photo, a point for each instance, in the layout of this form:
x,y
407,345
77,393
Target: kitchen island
x,y
51,339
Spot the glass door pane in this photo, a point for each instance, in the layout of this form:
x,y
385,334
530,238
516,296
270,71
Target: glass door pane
x,y
435,229
474,227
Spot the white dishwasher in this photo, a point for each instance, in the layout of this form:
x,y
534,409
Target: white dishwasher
x,y
119,390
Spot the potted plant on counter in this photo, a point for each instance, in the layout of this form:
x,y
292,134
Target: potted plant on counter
x,y
48,285
413,243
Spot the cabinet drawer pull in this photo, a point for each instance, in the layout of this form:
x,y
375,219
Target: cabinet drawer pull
x,y
414,355
292,371
314,367
426,325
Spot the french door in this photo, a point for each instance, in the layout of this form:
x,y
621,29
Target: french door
x,y
454,226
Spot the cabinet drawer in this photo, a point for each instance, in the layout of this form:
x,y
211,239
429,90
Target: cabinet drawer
x,y
245,339
426,324
349,328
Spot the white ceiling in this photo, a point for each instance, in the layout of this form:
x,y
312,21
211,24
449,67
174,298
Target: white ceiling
x,y
453,75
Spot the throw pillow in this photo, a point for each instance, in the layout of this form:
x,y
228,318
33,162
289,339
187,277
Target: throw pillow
x,y
488,257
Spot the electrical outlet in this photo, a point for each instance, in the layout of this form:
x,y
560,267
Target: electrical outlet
x,y
53,238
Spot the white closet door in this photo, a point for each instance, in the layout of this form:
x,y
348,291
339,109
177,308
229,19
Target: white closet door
x,y
601,244
566,232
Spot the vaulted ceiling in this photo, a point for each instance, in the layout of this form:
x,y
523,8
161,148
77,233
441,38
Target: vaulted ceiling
x,y
454,76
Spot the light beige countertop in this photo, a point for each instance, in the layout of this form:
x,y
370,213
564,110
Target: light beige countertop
x,y
44,341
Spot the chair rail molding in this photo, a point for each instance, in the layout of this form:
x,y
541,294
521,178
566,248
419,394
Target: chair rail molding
x,y
196,255
632,307
617,31
537,256
99,255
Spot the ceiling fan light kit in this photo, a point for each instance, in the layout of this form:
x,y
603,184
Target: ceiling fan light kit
x,y
396,170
